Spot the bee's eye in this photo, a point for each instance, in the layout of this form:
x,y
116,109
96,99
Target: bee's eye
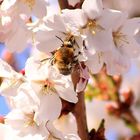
x,y
70,45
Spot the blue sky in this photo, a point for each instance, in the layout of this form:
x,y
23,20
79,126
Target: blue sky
x,y
3,107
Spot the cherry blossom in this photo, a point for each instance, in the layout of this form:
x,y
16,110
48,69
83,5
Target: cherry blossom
x,y
11,80
13,30
49,86
14,16
55,33
100,36
27,7
24,123
95,35
123,37
92,23
7,133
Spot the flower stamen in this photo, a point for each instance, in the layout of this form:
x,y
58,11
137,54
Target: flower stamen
x,y
8,83
48,87
29,121
119,39
100,55
93,26
30,3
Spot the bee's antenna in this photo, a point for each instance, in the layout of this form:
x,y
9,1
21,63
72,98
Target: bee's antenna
x,y
60,39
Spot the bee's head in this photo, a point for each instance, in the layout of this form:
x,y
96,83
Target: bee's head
x,y
65,71
68,44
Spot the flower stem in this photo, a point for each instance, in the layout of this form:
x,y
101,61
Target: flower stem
x,y
79,112
63,4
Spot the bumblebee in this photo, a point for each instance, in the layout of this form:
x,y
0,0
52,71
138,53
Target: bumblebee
x,y
64,58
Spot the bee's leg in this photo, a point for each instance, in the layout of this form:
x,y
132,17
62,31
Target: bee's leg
x,y
74,58
75,61
72,39
53,52
44,60
52,60
76,43
79,53
84,45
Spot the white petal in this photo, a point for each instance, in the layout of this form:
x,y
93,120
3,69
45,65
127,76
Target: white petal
x,y
67,93
81,85
120,21
100,41
32,137
66,124
6,132
9,87
118,64
131,26
73,2
109,18
19,121
16,119
6,4
49,46
56,22
93,8
6,70
39,8
23,8
18,41
130,49
50,108
48,42
75,17
35,70
72,137
26,98
6,24
95,63
55,133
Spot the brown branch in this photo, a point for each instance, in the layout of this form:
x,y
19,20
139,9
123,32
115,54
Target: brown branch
x,y
79,112
63,4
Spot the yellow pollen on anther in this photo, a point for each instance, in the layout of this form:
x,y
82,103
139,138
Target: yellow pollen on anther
x,y
48,87
8,83
93,26
29,119
119,39
30,3
100,55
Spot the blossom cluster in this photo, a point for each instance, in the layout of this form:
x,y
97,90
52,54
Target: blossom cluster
x,y
75,43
